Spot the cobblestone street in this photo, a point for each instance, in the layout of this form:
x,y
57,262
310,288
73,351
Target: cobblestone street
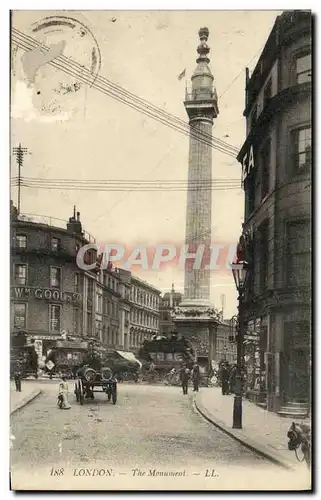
x,y
150,426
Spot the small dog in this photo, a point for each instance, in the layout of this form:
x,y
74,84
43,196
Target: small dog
x,y
60,400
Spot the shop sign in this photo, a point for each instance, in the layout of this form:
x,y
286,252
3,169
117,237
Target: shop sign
x,y
44,337
71,345
45,293
247,163
50,365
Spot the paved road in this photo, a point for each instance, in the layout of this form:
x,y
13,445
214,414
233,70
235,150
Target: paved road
x,y
149,424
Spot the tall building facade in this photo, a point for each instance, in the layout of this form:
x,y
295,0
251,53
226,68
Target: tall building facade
x,y
168,302
225,342
276,160
195,317
108,299
52,296
49,293
144,316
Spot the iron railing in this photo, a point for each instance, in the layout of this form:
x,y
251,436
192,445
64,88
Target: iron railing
x,y
53,222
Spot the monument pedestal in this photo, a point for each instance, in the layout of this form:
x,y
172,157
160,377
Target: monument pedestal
x,y
197,321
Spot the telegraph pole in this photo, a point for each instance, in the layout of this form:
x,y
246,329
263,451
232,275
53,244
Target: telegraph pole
x,y
19,152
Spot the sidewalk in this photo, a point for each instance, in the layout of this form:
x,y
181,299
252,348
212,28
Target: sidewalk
x,y
263,431
20,399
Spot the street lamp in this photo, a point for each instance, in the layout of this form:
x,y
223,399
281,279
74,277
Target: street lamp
x,y
240,273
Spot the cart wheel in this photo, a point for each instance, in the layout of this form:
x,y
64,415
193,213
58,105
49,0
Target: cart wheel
x,y
77,392
81,393
114,396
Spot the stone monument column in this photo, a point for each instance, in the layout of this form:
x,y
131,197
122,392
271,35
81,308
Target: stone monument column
x,y
195,318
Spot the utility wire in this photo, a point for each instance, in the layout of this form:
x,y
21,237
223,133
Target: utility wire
x,y
24,42
124,189
134,184
123,91
239,74
193,132
128,181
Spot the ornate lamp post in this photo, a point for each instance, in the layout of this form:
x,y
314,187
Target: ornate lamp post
x,y
240,273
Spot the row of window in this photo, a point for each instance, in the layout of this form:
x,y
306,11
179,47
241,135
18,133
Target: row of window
x,y
144,298
297,254
111,283
111,308
170,303
20,317
55,311
142,318
302,73
136,339
21,278
21,242
55,281
300,141
110,336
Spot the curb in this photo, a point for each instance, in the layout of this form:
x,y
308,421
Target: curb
x,y
40,380
252,445
26,401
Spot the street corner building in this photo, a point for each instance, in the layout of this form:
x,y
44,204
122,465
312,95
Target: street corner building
x,y
52,296
276,160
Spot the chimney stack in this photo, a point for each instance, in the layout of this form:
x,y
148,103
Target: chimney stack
x,y
74,225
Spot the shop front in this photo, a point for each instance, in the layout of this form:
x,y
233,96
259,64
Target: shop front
x,y
255,347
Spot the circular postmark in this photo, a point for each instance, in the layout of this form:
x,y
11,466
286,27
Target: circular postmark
x,y
59,57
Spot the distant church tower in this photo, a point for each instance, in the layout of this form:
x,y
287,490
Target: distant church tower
x,y
201,107
196,318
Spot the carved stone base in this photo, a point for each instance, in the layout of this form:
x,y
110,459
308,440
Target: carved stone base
x,y
198,323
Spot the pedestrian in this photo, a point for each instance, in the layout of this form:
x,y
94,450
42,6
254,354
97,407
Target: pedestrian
x,y
18,377
232,379
225,378
196,377
172,376
63,394
184,376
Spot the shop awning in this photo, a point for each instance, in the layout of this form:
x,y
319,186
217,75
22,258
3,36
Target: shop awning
x,y
129,356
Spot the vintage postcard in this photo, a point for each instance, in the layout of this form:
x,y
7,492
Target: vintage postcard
x,y
160,241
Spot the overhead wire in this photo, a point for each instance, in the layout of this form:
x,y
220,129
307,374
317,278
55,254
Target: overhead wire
x,y
122,184
121,89
129,181
123,189
239,74
74,69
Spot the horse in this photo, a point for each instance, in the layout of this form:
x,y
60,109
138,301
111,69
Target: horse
x,y
300,436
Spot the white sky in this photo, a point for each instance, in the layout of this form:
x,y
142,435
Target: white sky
x,y
143,52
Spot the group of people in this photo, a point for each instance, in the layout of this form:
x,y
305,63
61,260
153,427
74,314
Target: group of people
x,y
227,377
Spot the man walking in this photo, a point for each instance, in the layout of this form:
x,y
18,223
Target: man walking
x,y
196,377
18,377
184,375
225,378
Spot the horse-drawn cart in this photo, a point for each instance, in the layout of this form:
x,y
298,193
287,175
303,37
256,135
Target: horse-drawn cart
x,y
89,381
